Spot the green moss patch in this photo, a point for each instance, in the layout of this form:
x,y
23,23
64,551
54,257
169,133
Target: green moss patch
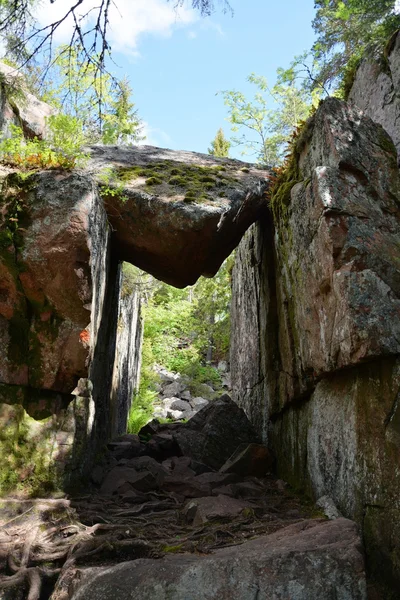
x,y
289,174
194,182
26,447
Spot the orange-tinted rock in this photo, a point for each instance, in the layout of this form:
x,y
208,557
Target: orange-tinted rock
x,y
47,283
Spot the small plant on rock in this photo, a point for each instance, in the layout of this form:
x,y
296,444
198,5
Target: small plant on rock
x,y
63,149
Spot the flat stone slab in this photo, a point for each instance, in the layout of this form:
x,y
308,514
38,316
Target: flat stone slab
x,y
174,214
305,561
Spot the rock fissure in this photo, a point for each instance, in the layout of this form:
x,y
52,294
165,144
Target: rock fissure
x,y
393,411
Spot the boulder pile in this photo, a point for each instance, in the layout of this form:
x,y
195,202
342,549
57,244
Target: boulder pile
x,y
177,402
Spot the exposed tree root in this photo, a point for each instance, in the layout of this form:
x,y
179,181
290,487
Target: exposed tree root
x,y
45,549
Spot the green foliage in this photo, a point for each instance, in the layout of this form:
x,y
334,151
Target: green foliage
x,y
12,87
61,151
267,121
183,324
26,454
142,402
75,87
111,185
289,173
141,410
346,30
131,277
180,329
66,135
220,145
122,124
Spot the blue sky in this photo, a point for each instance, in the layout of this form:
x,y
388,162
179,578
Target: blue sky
x,y
178,62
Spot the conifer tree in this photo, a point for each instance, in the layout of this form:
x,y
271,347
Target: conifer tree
x,y
220,145
122,124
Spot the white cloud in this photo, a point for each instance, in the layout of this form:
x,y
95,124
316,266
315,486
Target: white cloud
x,y
155,137
129,20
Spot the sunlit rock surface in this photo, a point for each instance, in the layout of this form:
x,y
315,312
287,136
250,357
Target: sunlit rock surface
x,y
19,107
376,88
303,561
316,331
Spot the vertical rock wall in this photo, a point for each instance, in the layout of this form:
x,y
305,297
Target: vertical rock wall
x,y
376,88
127,361
329,350
59,295
254,350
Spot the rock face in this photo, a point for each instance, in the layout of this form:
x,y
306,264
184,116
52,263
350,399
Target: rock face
x,y
59,305
19,107
46,251
376,89
303,561
319,317
214,433
253,315
339,276
127,360
177,215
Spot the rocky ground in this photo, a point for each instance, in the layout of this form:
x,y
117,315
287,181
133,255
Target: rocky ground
x,y
193,497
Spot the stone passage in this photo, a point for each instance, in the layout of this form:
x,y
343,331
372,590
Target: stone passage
x,y
166,518
316,332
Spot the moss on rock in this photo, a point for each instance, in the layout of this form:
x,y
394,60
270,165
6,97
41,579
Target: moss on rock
x,y
195,182
26,446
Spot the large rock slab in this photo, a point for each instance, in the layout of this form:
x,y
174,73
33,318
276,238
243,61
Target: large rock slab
x,y
52,267
214,433
345,443
253,459
337,245
253,351
59,298
202,510
304,561
177,215
320,326
128,351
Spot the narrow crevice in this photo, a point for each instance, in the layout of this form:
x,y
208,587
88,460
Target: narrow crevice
x,y
392,411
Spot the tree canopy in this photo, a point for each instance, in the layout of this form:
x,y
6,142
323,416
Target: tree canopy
x,y
263,125
345,29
